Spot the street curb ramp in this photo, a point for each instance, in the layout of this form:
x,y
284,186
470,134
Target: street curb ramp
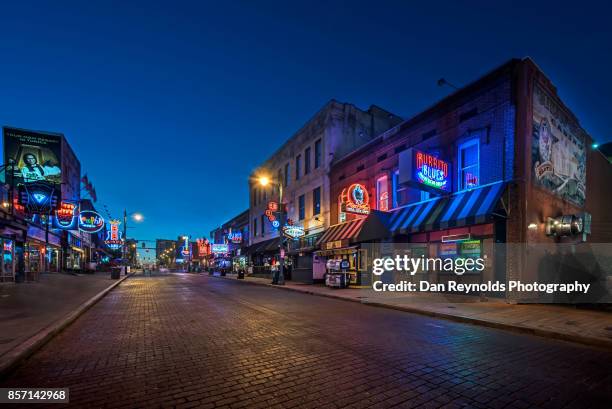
x,y
13,358
574,338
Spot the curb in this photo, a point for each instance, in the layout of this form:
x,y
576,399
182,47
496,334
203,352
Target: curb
x,y
545,333
11,359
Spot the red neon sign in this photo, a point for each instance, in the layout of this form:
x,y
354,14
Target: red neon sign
x,y
356,199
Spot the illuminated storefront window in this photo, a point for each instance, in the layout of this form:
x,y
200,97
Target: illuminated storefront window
x,y
469,164
382,193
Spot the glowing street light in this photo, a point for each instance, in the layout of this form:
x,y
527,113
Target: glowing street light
x,y
265,181
138,217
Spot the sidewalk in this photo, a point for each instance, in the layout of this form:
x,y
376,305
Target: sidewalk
x,y
553,321
31,310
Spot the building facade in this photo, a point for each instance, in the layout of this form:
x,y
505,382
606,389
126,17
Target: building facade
x,y
495,162
301,166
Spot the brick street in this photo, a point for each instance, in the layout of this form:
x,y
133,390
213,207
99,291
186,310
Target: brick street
x,y
183,341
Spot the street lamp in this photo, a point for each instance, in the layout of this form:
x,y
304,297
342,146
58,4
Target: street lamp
x,y
136,216
265,181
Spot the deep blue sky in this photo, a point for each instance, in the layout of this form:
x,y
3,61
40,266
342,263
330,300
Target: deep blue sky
x,y
170,106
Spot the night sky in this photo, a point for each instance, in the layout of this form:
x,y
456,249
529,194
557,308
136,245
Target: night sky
x,y
170,106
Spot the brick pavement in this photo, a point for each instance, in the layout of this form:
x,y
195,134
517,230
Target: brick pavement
x,y
27,308
566,322
193,341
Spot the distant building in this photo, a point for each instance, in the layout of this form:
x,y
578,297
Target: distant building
x,y
164,252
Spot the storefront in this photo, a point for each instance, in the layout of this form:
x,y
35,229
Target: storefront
x,y
460,225
340,252
264,257
42,252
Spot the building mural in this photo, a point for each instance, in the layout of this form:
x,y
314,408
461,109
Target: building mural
x,y
558,149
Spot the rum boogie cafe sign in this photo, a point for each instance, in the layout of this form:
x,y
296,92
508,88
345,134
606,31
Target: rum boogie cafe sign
x,y
90,221
424,171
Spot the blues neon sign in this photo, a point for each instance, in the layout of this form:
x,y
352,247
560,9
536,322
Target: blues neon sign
x,y
425,171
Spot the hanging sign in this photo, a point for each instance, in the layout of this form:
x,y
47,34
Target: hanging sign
x,y
218,248
293,232
65,217
424,171
235,237
90,221
113,236
185,251
356,199
203,247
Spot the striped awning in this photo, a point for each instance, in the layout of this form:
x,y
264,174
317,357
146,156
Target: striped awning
x,y
341,233
473,206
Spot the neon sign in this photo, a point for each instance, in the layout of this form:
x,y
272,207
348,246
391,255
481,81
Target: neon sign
x,y
65,217
185,250
235,237
203,247
356,199
431,171
293,231
90,221
218,248
424,171
113,236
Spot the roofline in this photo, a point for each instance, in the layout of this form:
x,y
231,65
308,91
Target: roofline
x,y
447,100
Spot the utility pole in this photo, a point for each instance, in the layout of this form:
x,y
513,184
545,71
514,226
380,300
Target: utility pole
x,y
124,247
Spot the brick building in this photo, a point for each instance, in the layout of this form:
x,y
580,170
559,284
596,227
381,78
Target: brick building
x,y
494,162
302,166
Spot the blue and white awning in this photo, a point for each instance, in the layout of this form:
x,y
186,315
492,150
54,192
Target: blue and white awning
x,y
474,206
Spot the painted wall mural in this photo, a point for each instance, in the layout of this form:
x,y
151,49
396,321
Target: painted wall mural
x,y
558,150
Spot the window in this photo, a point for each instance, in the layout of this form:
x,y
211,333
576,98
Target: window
x,y
255,227
469,164
425,195
395,187
287,169
317,158
307,161
255,196
341,213
279,176
302,207
263,225
265,194
298,166
316,201
382,193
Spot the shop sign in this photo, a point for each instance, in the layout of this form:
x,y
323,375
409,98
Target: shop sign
x,y
65,217
356,199
39,197
90,221
203,247
424,170
113,236
470,248
235,237
219,248
185,249
293,231
448,250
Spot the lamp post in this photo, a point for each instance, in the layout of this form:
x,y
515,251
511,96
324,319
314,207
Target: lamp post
x,y
138,217
265,181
